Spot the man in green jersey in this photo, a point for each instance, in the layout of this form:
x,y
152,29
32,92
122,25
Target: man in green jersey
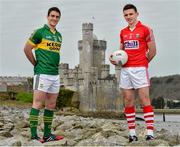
x,y
46,42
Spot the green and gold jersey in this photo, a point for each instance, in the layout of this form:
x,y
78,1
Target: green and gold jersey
x,y
47,46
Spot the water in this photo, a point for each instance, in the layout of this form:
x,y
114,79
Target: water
x,y
168,117
172,122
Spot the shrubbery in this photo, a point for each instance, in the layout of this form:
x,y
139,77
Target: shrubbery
x,y
25,97
158,103
65,98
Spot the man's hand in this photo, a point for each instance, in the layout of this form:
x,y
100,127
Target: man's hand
x,y
112,62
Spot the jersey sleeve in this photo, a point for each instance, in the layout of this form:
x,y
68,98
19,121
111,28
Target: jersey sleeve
x,y
149,36
36,37
60,38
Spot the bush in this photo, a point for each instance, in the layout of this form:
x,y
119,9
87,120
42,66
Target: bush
x,y
158,103
25,97
64,98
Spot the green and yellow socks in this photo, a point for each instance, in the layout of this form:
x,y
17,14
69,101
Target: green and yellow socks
x,y
34,121
48,117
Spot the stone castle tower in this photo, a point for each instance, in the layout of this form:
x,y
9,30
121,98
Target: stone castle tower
x,y
98,89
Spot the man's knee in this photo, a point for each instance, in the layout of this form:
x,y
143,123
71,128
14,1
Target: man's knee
x,y
37,104
145,101
51,105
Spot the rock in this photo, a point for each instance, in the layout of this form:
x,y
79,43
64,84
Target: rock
x,y
11,142
117,140
22,124
9,126
16,143
77,131
143,142
5,133
70,142
33,143
56,123
1,124
26,133
65,126
171,138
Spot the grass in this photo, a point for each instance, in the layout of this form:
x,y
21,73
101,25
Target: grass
x,y
22,99
14,103
25,97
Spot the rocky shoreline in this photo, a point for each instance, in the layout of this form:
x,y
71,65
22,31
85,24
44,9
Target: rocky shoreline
x,y
77,131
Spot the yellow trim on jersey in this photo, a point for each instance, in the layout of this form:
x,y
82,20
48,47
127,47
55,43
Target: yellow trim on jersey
x,y
49,45
30,42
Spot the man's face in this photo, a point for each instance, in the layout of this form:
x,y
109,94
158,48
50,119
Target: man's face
x,y
130,16
53,18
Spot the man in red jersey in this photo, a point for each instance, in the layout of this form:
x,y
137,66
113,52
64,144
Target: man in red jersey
x,y
138,42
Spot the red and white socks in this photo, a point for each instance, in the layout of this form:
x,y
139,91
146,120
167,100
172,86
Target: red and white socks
x,y
149,119
130,116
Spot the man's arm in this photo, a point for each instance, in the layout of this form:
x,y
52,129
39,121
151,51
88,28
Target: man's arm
x,y
152,50
28,52
121,46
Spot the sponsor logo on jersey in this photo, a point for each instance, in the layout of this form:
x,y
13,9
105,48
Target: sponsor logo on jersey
x,y
54,46
131,44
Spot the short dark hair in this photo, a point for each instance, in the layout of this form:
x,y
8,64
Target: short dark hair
x,y
129,6
54,9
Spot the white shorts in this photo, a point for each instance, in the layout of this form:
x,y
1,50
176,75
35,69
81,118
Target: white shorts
x,y
46,83
134,78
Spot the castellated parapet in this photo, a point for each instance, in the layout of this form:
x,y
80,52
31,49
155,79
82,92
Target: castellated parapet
x,y
98,89
87,26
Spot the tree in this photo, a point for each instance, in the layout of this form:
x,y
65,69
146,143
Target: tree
x,y
154,102
160,102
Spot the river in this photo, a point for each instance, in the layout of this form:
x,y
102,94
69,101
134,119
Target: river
x,y
172,122
168,117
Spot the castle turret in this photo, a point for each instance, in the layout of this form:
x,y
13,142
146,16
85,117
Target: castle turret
x,y
97,88
86,47
99,48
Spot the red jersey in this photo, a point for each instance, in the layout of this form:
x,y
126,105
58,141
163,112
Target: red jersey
x,y
135,44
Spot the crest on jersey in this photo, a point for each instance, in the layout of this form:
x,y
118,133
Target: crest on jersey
x,y
137,35
55,38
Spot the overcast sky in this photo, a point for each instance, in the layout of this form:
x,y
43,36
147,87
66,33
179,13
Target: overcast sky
x,y
18,19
